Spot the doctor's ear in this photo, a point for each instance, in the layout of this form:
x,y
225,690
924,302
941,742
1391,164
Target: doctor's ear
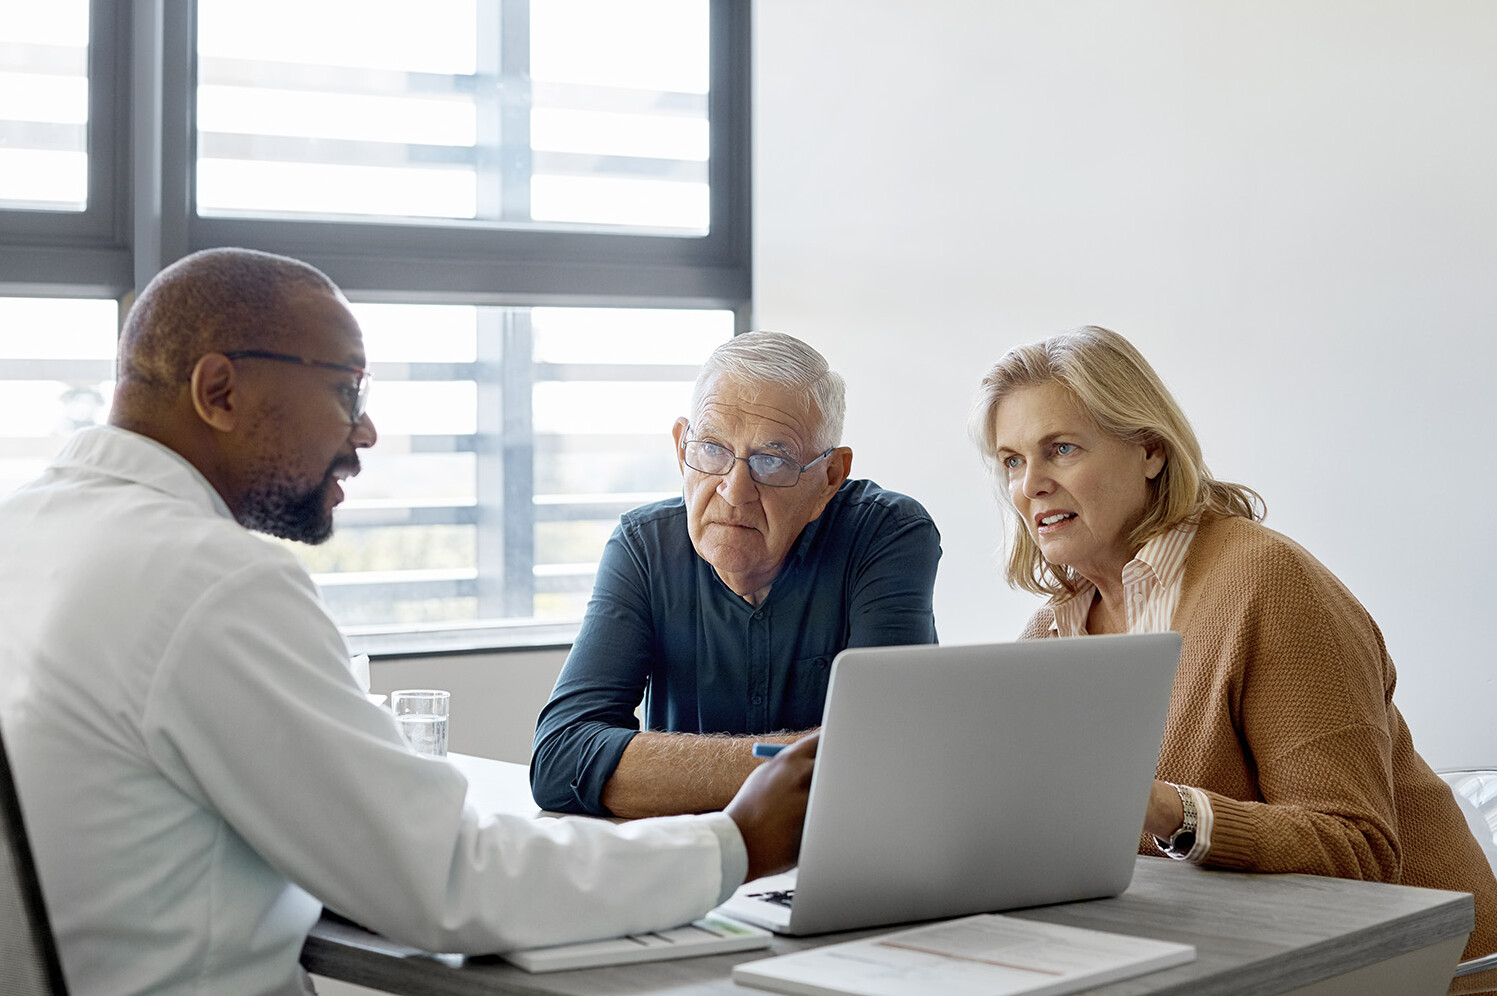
x,y
215,392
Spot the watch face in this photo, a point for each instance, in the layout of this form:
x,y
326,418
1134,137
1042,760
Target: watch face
x,y
1182,842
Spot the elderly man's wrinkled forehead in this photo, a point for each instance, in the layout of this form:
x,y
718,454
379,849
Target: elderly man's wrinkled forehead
x,y
772,413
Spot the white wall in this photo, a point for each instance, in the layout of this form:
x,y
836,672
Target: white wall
x,y
1290,207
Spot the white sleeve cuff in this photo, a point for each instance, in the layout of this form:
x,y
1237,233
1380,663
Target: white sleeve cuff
x,y
1203,825
734,854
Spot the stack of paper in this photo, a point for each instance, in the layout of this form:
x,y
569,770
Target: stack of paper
x,y
983,955
709,935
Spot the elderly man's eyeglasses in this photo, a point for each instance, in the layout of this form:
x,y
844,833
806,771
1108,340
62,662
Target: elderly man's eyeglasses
x,y
764,468
355,395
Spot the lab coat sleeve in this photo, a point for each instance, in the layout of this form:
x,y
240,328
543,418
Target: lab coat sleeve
x,y
254,714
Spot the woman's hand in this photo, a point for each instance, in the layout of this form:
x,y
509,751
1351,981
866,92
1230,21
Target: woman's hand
x,y
1165,813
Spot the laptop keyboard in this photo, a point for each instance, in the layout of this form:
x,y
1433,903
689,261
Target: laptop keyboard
x,y
779,897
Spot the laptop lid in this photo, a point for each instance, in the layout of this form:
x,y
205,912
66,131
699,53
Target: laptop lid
x,y
963,779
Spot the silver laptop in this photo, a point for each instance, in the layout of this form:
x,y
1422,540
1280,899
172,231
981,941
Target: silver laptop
x,y
964,779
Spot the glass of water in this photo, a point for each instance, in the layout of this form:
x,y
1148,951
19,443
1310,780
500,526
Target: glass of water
x,y
422,715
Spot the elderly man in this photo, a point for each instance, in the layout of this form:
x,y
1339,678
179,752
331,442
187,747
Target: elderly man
x,y
198,767
723,609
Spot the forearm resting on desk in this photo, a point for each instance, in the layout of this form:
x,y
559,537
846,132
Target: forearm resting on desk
x,y
664,774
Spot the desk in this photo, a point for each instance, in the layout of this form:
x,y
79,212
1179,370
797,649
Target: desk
x,y
1297,934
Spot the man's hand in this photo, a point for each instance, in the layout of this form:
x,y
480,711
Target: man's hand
x,y
770,808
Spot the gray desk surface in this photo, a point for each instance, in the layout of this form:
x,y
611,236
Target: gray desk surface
x,y
1252,933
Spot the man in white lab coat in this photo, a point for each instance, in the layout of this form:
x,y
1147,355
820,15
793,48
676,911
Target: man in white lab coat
x,y
197,766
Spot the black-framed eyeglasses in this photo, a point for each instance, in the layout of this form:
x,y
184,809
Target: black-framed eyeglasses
x,y
356,395
767,469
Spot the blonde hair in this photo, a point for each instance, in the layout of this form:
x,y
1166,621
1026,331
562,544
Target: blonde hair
x,y
1112,382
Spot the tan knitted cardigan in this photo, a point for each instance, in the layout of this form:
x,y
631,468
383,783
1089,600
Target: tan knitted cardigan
x,y
1283,712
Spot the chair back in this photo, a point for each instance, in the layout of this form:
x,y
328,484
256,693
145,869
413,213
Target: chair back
x,y
28,956
1475,791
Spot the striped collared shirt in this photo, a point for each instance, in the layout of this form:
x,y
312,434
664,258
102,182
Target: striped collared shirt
x,y
1151,588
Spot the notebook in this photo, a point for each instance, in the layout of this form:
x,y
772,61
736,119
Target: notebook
x,y
709,935
966,779
987,954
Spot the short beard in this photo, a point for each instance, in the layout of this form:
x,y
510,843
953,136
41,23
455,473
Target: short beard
x,y
280,508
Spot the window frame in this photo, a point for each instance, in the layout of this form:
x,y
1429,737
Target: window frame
x,y
82,253
490,264
140,215
142,87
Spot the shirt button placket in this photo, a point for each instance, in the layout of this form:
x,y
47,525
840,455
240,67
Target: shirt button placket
x,y
759,657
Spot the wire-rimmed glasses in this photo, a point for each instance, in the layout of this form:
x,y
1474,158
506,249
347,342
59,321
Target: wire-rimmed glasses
x,y
768,469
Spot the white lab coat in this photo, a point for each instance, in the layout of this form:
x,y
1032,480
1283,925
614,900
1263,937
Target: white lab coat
x,y
198,767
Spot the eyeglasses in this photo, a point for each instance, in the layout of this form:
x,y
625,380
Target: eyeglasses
x,y
764,468
356,395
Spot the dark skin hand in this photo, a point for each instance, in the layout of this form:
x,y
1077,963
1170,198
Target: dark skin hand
x,y
770,808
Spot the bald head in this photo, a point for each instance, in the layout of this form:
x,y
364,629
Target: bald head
x,y
213,301
251,367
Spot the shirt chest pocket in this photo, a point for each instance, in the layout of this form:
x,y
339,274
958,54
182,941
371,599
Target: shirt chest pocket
x,y
803,693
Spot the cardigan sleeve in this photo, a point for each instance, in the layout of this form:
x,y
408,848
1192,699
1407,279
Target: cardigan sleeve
x,y
1310,688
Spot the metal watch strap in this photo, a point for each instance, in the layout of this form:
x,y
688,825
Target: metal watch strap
x,y
1183,840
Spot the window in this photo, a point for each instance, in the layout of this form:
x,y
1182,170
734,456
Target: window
x,y
456,518
44,107
56,376
563,111
538,207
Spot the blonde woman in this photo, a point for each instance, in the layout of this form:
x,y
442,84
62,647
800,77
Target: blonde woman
x,y
1283,751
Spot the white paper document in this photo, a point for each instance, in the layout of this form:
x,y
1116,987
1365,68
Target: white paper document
x,y
709,935
984,955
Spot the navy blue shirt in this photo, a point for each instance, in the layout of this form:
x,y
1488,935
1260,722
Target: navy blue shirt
x,y
663,628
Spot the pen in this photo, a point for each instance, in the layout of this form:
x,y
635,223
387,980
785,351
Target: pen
x,y
767,750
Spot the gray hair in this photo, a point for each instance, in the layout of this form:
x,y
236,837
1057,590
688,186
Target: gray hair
x,y
782,360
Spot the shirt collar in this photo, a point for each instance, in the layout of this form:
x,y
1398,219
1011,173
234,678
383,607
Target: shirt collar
x,y
1164,555
1161,560
1069,611
108,449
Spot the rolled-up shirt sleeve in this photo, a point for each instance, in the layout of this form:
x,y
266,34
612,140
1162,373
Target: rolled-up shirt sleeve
x,y
590,719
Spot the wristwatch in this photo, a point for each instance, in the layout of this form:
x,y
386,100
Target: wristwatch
x,y
1183,840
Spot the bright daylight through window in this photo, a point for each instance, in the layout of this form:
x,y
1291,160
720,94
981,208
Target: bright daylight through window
x,y
368,110
44,105
56,375
458,517
537,208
